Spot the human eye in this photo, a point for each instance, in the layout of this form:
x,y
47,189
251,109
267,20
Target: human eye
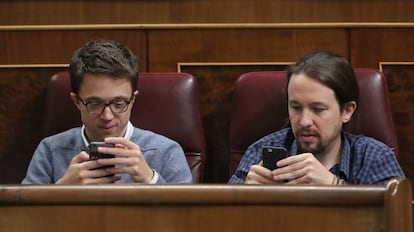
x,y
295,106
119,104
94,104
318,109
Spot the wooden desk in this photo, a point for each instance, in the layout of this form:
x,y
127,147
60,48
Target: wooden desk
x,y
206,208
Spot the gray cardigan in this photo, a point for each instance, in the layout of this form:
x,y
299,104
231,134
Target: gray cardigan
x,y
54,154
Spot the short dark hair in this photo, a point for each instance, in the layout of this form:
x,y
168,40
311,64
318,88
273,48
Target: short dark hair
x,y
103,57
331,70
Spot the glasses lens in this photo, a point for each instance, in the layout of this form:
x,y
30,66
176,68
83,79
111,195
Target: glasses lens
x,y
119,106
95,107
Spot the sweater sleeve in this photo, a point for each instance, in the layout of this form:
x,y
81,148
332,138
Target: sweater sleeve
x,y
40,170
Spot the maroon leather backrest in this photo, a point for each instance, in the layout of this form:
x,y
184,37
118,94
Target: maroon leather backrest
x,y
167,103
374,114
260,107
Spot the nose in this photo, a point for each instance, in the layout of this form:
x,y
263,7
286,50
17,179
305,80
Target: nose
x,y
107,113
306,118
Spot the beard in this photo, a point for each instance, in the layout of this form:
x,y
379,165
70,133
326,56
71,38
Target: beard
x,y
308,149
315,147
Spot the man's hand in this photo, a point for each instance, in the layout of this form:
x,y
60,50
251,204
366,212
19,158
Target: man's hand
x,y
129,159
260,175
302,169
81,170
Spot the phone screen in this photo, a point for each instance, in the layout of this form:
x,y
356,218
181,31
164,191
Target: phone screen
x,y
271,155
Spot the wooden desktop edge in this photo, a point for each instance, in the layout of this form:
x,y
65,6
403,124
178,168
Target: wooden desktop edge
x,y
392,202
398,191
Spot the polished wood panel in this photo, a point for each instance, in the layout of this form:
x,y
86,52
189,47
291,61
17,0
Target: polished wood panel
x,y
369,47
192,207
239,45
191,218
57,46
63,12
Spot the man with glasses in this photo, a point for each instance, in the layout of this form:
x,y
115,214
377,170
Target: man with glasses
x,y
104,86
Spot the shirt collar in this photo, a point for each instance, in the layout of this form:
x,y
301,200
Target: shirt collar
x,y
128,133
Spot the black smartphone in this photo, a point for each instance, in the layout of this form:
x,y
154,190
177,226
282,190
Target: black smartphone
x,y
93,150
271,155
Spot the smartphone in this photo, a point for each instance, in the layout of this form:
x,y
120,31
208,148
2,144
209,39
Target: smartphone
x,y
271,155
93,150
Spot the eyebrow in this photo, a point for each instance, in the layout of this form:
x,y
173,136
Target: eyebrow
x,y
101,100
312,104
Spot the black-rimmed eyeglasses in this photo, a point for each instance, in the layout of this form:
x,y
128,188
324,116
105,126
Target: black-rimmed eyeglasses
x,y
97,107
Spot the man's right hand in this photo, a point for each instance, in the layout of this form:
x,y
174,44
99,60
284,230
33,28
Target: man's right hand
x,y
81,170
260,175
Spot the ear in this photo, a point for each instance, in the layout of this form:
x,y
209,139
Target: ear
x,y
135,94
348,111
75,100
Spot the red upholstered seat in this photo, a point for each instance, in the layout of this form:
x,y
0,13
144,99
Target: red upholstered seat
x,y
167,103
260,107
